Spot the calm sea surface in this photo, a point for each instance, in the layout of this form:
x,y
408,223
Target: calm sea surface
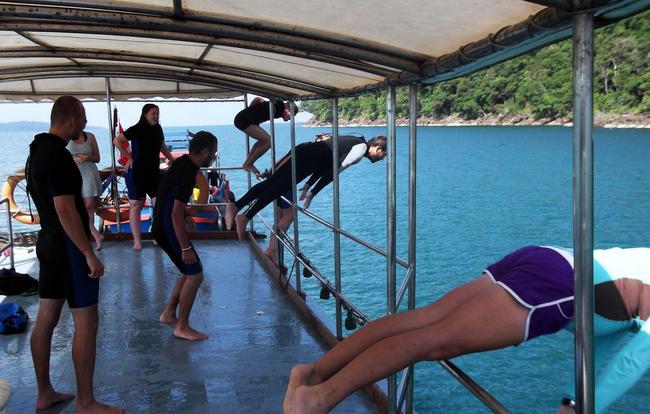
x,y
482,192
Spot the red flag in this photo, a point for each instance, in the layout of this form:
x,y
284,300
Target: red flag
x,y
125,145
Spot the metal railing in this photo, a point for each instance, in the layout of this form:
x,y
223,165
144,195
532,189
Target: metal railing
x,y
10,243
402,393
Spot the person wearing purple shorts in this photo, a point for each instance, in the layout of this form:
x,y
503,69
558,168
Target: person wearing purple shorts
x,y
525,294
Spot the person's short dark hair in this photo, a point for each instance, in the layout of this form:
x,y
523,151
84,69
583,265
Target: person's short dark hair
x,y
379,141
202,140
65,108
287,105
145,110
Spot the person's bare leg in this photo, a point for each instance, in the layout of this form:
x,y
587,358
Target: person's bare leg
x,y
134,222
231,212
241,221
89,203
168,315
491,320
344,352
259,148
84,347
49,311
182,328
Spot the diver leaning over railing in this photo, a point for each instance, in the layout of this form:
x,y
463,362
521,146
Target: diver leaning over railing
x,y
526,294
312,159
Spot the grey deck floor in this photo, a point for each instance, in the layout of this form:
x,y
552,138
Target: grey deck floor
x,y
242,368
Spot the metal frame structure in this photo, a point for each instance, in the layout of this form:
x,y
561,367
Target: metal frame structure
x,y
396,66
583,232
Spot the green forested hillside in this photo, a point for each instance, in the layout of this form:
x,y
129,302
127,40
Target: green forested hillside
x,y
537,85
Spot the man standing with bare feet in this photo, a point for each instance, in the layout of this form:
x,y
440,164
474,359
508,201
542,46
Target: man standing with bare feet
x,y
175,189
69,269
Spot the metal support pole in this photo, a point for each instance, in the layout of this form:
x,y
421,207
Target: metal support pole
x,y
294,191
111,136
337,215
278,252
413,118
11,233
248,152
391,201
583,210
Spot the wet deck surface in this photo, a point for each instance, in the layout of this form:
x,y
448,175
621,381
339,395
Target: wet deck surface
x,y
242,368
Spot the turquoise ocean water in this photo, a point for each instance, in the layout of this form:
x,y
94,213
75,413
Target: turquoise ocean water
x,y
482,192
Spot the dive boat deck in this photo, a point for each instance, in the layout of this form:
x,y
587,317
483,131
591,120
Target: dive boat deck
x,y
256,336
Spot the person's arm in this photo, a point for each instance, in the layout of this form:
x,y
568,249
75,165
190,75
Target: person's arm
x,y
119,144
624,369
166,152
354,156
95,156
73,227
323,181
178,221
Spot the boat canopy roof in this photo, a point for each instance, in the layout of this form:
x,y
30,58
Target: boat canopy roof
x,y
307,49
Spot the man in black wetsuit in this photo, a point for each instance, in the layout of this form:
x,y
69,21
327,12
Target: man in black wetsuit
x,y
249,119
69,269
312,158
175,189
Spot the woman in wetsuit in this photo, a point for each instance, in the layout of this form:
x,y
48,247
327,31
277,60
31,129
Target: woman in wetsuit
x,y
526,294
249,119
142,167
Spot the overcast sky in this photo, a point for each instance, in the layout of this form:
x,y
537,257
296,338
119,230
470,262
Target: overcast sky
x,y
171,114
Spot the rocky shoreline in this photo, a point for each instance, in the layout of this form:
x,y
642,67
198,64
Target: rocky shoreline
x,y
641,120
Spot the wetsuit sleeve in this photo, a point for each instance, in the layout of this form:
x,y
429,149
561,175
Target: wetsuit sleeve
x,y
131,132
324,180
186,186
354,156
60,182
624,369
312,180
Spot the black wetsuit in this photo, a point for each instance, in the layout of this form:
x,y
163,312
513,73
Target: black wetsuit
x,y
51,172
144,176
312,158
176,184
257,114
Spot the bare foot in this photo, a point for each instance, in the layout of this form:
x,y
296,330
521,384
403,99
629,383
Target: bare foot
x,y
51,398
250,168
241,221
137,246
300,375
98,408
168,319
231,211
99,238
189,334
306,400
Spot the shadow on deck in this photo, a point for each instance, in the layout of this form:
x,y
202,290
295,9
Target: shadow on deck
x,y
256,336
